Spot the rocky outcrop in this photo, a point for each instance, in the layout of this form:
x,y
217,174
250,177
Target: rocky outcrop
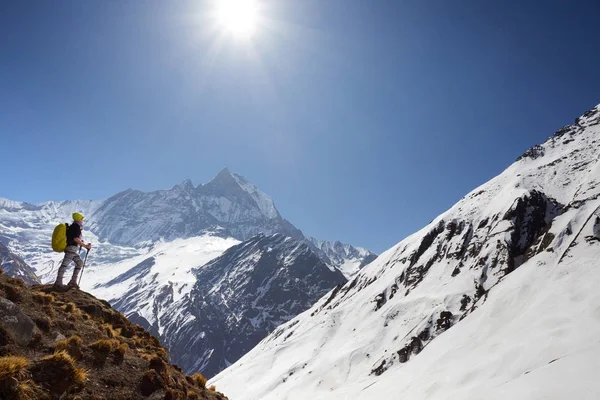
x,y
70,345
15,324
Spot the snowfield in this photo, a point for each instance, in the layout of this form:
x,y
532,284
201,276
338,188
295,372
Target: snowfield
x,y
170,269
495,299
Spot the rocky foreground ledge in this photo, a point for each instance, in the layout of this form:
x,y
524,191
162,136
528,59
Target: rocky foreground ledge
x,y
71,345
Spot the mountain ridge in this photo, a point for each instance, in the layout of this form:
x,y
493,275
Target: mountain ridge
x,y
163,241
228,206
510,245
241,296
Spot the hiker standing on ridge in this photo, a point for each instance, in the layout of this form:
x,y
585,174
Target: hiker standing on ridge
x,y
71,254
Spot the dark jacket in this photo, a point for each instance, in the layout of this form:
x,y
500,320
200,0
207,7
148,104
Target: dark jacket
x,y
74,231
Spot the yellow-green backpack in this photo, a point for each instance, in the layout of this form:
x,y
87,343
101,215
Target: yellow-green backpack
x,y
59,238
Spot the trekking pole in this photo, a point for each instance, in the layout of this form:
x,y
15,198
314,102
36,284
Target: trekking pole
x,y
83,267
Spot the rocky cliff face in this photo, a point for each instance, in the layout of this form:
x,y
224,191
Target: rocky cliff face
x,y
242,296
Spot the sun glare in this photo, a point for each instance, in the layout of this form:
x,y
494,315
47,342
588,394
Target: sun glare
x,y
238,16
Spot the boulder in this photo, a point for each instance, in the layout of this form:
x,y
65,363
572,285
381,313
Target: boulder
x,y
18,325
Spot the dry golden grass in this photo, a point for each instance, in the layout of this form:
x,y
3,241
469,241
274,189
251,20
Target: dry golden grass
x,y
71,345
163,353
58,357
119,353
80,375
193,396
72,309
43,298
72,341
104,346
212,388
61,345
13,367
110,331
59,372
75,340
122,349
61,360
200,380
29,390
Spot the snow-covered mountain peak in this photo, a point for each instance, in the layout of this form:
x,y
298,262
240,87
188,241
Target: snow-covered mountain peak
x,y
186,185
227,204
347,258
7,204
263,201
223,184
233,186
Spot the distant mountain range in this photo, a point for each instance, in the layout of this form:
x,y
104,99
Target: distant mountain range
x,y
14,265
156,251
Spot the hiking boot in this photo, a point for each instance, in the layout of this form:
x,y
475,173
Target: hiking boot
x,y
59,287
73,285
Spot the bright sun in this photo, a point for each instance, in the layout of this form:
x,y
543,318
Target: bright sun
x,y
238,16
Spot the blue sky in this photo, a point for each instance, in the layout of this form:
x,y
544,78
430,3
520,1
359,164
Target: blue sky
x,y
362,119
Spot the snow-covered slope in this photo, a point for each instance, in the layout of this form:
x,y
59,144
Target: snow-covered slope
x,y
14,265
143,286
511,269
242,296
345,257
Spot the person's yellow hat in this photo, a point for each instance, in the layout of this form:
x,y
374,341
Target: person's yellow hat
x,y
77,216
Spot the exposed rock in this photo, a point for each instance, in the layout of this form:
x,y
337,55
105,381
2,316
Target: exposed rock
x,y
20,327
261,283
